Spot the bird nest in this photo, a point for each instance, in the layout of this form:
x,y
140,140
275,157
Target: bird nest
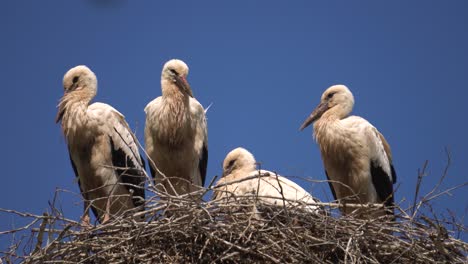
x,y
183,230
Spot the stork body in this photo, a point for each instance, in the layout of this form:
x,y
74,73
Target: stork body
x,y
356,157
176,134
102,149
241,178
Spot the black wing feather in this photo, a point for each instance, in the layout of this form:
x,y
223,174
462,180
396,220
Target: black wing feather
x,y
202,165
331,186
130,175
393,174
383,183
152,170
95,212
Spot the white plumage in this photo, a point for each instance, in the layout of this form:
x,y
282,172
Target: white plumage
x,y
241,178
176,134
357,158
102,149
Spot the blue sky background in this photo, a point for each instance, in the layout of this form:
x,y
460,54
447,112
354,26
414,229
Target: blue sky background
x,y
263,65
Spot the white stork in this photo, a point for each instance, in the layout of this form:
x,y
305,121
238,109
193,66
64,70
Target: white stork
x,y
102,149
176,137
357,158
241,178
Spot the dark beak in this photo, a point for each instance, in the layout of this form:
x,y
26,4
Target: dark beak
x,y
60,112
59,115
316,114
182,83
227,172
61,108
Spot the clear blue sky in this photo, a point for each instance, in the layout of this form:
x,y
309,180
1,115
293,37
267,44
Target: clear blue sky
x,y
263,65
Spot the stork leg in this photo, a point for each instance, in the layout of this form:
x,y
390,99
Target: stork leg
x,y
107,213
86,220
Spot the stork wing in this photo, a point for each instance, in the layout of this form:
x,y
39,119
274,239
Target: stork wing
x,y
277,188
290,190
85,196
382,171
201,136
128,163
382,183
203,163
152,107
389,155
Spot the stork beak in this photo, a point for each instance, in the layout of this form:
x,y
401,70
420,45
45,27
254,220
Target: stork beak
x,y
227,172
60,113
316,114
72,88
182,83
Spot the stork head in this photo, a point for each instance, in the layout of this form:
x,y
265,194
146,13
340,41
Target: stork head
x,y
80,78
238,159
79,83
337,101
176,71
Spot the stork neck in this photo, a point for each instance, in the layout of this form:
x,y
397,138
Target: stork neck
x,y
78,100
337,112
244,171
82,96
73,115
330,134
239,173
177,101
170,90
175,114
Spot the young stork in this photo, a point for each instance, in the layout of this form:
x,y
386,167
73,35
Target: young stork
x,y
357,158
240,178
102,149
176,134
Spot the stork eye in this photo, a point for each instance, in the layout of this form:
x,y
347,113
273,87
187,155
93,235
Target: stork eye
x,y
75,79
231,163
330,95
173,71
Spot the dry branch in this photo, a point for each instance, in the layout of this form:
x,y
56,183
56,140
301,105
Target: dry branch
x,y
181,229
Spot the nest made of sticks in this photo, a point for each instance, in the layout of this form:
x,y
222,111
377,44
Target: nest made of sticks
x,y
183,230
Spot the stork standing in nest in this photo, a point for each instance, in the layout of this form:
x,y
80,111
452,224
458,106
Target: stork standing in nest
x,y
176,134
241,178
357,158
103,150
